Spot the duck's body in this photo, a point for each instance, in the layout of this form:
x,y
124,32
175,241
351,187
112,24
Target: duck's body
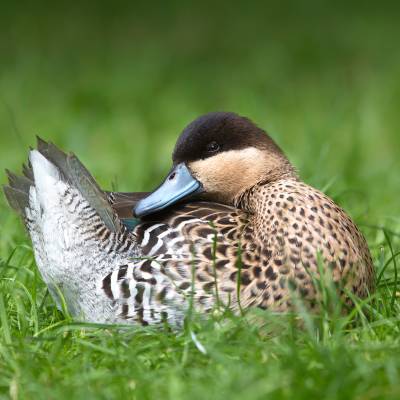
x,y
253,251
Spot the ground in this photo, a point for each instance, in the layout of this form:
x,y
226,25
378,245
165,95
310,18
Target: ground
x,y
116,86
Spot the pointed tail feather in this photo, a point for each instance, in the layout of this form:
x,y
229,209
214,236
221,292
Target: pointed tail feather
x,y
17,192
17,199
72,171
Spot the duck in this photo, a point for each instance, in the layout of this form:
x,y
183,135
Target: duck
x,y
232,225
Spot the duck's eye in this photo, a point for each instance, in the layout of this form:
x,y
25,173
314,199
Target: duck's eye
x,y
212,147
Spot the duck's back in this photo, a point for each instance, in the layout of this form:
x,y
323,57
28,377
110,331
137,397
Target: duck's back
x,y
189,251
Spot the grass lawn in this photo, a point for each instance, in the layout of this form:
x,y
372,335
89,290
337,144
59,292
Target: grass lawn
x,y
116,86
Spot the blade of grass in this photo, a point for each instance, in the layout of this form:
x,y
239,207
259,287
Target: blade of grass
x,y
4,322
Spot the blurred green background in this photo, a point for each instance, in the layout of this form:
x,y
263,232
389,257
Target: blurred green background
x,y
116,83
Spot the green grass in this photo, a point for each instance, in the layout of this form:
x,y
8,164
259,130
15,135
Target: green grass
x,y
116,86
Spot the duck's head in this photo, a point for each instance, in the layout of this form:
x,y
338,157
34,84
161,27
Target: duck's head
x,y
218,157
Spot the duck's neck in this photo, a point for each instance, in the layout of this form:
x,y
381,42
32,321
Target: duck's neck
x,y
254,199
257,199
